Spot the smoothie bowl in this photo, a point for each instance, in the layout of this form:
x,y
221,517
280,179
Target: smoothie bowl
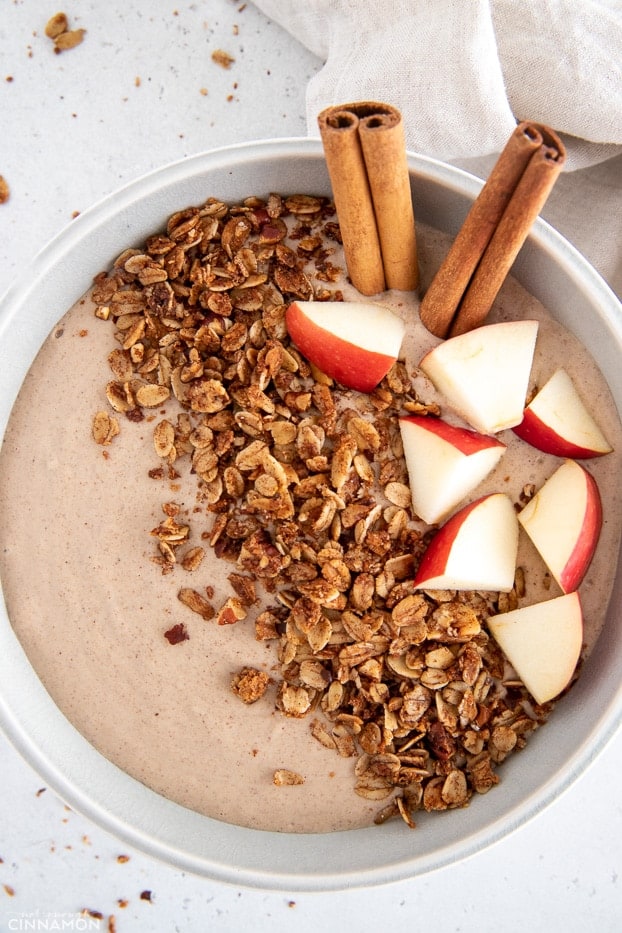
x,y
162,666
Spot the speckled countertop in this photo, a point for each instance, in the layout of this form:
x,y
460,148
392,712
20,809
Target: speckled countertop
x,y
142,90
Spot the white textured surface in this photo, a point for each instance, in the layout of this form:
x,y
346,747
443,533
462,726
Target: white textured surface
x,y
462,75
73,128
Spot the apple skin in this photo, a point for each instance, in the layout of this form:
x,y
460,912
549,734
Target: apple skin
x,y
564,519
474,550
557,422
542,642
355,343
484,373
445,463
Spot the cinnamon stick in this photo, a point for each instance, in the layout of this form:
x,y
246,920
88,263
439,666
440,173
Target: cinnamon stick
x,y
366,159
516,222
384,151
352,196
447,307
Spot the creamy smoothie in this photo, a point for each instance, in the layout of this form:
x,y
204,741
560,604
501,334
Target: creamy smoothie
x,y
94,594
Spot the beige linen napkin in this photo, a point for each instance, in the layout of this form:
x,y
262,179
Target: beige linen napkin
x,y
464,71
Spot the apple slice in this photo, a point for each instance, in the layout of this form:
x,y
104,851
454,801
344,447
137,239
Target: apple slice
x,y
557,422
355,343
542,642
563,520
474,550
484,373
445,463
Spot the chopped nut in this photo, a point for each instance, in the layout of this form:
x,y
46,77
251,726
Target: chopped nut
x,y
4,190
231,611
193,600
244,587
266,626
284,778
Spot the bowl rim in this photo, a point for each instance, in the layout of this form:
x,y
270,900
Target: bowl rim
x,y
24,703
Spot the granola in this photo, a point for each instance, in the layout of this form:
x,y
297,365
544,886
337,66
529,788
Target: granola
x,y
306,491
283,777
57,29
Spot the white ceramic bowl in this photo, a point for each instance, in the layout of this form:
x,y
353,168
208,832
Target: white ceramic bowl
x,y
555,756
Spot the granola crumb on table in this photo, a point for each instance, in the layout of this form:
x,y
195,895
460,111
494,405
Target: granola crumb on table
x,y
57,29
307,495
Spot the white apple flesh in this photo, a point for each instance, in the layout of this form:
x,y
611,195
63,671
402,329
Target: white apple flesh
x,y
542,642
563,520
445,463
557,422
474,550
484,373
355,343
